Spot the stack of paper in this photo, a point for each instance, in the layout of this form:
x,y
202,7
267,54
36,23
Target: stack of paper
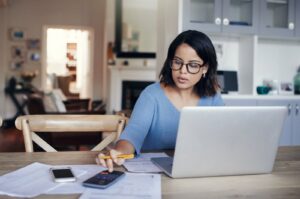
x,y
35,179
29,181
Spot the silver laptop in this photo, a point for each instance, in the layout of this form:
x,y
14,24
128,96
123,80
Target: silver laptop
x,y
217,141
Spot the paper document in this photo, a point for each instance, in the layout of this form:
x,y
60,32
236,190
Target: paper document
x,y
143,163
132,186
29,181
76,187
35,179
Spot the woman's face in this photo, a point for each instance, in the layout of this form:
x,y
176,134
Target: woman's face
x,y
183,78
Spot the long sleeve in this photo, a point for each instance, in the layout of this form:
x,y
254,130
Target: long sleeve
x,y
140,121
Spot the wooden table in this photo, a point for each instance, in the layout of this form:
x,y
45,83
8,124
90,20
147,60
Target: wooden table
x,y
283,182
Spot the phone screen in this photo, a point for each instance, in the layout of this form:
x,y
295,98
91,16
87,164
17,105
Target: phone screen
x,y
103,179
63,175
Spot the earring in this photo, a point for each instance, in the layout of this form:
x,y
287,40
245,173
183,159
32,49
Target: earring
x,y
204,75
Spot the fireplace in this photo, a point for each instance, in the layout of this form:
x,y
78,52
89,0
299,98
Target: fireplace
x,y
131,91
135,80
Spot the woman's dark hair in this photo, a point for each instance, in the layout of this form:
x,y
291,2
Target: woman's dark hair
x,y
203,46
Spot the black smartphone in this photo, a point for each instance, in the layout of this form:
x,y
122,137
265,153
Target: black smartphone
x,y
103,179
62,174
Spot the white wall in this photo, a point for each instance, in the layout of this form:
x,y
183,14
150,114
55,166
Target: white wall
x,y
32,15
276,60
2,59
228,55
167,28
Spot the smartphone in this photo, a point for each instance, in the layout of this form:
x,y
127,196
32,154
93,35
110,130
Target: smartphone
x,y
62,174
103,179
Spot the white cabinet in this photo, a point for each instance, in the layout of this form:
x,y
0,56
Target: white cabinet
x,y
278,18
291,128
298,18
265,17
287,131
233,16
296,123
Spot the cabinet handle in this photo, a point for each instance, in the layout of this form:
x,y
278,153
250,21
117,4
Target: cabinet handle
x,y
297,109
218,21
225,22
289,109
291,26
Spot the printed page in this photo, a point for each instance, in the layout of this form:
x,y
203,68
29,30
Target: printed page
x,y
31,181
132,186
143,163
76,187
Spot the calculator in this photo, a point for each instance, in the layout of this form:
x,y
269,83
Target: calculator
x,y
103,179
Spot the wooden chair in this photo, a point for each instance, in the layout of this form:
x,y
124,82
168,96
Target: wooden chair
x,y
112,125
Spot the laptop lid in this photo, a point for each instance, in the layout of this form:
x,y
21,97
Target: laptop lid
x,y
216,141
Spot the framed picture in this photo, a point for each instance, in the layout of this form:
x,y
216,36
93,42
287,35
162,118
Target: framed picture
x,y
17,64
17,34
286,88
34,56
18,52
33,44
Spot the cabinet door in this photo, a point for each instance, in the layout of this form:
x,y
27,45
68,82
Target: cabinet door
x,y
277,18
286,135
297,18
240,16
202,15
296,123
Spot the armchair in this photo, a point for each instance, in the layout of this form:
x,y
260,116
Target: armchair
x,y
38,103
64,84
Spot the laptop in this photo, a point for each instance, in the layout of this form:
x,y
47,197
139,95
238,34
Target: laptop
x,y
219,141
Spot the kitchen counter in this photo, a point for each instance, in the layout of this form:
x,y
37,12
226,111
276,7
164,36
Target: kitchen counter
x,y
258,97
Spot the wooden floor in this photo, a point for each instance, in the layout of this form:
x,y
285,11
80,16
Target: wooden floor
x,y
11,140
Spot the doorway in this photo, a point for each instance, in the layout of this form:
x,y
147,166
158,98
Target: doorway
x,y
68,53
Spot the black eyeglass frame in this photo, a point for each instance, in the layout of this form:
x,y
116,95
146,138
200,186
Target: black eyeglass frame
x,y
186,65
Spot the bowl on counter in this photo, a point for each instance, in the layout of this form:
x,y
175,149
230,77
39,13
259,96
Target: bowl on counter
x,y
262,90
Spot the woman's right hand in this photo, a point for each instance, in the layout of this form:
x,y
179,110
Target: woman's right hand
x,y
109,163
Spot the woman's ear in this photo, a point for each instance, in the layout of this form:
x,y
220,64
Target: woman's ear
x,y
204,69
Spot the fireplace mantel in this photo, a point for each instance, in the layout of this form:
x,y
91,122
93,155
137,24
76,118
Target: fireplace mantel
x,y
126,73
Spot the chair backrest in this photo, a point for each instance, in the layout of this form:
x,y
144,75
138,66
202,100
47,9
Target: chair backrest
x,y
29,124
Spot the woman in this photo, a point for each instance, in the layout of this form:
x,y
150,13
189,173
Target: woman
x,y
188,78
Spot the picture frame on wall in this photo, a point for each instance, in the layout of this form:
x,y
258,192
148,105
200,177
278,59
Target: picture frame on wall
x,y
17,64
17,34
18,52
286,88
34,56
33,44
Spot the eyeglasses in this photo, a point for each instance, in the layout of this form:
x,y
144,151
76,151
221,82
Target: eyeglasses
x,y
192,67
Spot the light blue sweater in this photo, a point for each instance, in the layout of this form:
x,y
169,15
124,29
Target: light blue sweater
x,y
154,121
